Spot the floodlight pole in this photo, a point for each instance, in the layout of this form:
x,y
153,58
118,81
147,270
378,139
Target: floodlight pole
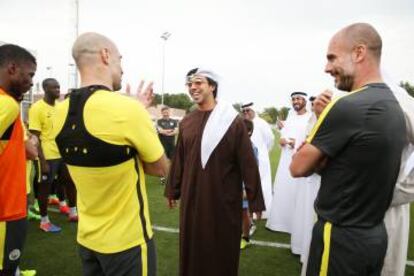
x,y
164,37
76,36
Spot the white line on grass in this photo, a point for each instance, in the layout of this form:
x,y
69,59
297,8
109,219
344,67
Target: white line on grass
x,y
165,229
259,243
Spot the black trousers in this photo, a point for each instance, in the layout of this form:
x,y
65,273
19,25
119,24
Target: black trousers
x,y
12,238
340,251
169,147
136,261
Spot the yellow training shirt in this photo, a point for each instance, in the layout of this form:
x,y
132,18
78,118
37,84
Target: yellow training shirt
x,y
111,219
41,119
9,110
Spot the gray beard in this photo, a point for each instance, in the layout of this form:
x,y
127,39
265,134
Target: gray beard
x,y
346,83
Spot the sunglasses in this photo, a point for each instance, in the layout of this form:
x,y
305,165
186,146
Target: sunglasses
x,y
196,83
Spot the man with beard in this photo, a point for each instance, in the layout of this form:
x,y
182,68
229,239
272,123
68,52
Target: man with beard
x,y
356,145
285,188
213,157
52,170
263,139
397,217
17,68
108,142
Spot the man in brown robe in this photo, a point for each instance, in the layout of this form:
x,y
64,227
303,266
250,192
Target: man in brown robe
x,y
213,157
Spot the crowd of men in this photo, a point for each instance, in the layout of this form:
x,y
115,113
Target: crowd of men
x,y
343,164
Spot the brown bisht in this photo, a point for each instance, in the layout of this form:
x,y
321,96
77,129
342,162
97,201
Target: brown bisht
x,y
211,198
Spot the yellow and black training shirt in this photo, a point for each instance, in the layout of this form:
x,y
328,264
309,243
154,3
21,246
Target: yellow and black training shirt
x,y
113,209
9,110
41,119
363,134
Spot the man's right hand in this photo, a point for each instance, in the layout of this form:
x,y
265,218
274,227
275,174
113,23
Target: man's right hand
x,y
321,101
283,142
44,167
287,142
172,203
291,142
280,124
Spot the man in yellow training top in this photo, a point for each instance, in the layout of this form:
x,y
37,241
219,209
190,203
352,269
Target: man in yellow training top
x,y
17,68
52,169
109,142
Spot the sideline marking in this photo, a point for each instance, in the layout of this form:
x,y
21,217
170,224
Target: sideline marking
x,y
259,243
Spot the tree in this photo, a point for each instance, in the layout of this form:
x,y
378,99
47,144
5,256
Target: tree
x,y
409,87
265,116
181,101
272,114
237,106
283,113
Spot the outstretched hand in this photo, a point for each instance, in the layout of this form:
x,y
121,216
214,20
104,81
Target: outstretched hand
x,y
144,95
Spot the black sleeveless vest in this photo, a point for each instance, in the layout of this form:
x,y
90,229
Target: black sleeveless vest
x,y
78,147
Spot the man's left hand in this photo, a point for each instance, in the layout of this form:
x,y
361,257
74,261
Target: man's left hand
x,y
144,95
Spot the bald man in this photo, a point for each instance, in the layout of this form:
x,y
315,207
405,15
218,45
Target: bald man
x,y
356,146
108,142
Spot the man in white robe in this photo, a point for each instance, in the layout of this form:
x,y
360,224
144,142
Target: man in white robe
x,y
263,139
397,218
285,188
304,217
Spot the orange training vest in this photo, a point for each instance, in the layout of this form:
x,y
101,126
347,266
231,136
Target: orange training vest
x,y
13,175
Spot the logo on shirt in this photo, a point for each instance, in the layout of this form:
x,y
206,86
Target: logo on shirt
x,y
14,255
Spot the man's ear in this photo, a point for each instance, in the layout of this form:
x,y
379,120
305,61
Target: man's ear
x,y
358,53
104,53
11,68
213,87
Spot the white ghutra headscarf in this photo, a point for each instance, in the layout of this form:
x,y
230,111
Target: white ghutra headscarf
x,y
219,121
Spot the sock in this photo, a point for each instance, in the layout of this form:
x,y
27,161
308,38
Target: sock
x,y
246,239
62,203
44,219
73,211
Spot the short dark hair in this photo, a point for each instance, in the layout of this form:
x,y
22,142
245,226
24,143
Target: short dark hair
x,y
45,82
209,81
165,107
15,53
